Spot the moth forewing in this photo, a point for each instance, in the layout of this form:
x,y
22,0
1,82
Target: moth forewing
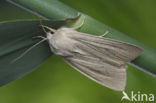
x,y
102,60
114,79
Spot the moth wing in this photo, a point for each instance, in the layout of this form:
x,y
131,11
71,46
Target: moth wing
x,y
114,49
101,59
104,74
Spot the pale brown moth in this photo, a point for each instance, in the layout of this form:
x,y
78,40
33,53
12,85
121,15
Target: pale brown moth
x,y
100,59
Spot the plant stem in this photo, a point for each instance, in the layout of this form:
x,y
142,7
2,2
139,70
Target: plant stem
x,y
56,10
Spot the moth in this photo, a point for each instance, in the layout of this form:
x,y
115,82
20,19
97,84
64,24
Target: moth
x,y
101,59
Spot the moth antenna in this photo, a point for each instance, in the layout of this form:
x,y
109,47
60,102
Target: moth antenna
x,y
42,27
51,29
28,50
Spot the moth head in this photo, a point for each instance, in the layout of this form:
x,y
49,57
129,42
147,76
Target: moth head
x,y
50,33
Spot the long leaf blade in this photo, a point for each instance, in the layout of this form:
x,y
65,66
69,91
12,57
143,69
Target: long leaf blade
x,y
16,38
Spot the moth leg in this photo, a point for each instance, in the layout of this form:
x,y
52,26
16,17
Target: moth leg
x,y
28,50
51,29
104,34
42,37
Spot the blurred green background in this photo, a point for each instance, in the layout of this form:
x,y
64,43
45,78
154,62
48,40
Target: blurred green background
x,y
56,82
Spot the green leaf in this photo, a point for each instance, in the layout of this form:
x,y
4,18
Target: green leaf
x,y
55,81
54,9
9,12
51,9
16,37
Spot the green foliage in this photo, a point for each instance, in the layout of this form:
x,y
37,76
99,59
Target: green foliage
x,y
15,39
55,81
9,12
55,10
